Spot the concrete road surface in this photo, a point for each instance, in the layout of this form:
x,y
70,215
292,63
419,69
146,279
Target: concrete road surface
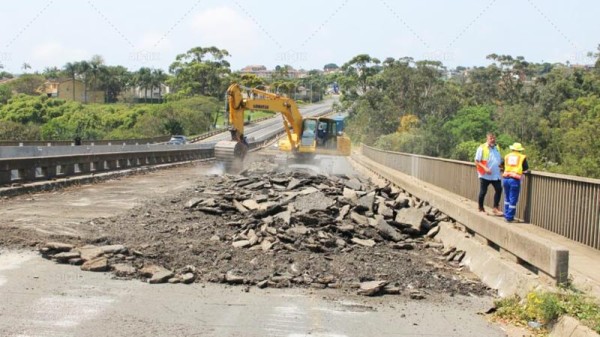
x,y
40,298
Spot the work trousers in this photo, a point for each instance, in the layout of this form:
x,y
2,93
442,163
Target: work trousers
x,y
483,187
512,187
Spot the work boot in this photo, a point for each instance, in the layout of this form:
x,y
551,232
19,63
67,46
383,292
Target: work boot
x,y
497,212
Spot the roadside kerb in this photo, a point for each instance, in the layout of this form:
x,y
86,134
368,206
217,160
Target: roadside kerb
x,y
485,262
567,326
546,258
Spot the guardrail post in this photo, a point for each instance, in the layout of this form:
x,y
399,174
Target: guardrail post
x,y
85,167
5,177
68,169
50,171
107,165
528,198
28,174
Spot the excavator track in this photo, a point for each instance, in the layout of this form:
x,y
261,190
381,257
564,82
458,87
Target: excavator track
x,y
231,154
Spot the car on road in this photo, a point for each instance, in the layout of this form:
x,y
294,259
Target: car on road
x,y
177,140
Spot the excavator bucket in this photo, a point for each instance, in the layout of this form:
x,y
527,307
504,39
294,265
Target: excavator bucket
x,y
231,155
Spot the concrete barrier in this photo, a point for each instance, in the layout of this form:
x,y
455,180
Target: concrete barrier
x,y
24,170
550,260
485,262
570,327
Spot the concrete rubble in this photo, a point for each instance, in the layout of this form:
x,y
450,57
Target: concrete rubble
x,y
279,229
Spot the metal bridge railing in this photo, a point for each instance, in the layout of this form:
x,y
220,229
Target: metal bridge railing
x,y
31,169
62,162
566,205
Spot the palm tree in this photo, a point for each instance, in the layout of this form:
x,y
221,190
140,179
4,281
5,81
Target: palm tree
x,y
51,73
96,69
158,79
83,70
70,69
25,67
143,79
114,80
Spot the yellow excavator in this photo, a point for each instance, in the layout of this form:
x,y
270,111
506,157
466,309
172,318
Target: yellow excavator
x,y
306,136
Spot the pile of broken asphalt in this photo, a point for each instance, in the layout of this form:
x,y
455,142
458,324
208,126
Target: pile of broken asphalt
x,y
271,228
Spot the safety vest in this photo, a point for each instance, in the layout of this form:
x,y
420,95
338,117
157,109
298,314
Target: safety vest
x,y
485,155
513,165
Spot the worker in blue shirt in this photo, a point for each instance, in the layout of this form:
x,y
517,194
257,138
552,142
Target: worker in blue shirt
x,y
488,161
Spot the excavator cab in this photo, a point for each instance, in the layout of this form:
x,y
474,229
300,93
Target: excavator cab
x,y
323,136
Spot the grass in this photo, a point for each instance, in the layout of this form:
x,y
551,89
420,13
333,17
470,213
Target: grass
x,y
546,307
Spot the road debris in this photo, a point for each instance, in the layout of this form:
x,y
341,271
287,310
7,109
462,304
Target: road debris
x,y
274,228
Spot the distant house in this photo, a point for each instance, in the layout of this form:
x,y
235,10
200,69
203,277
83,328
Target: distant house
x,y
76,90
262,72
150,94
331,68
51,88
258,70
293,73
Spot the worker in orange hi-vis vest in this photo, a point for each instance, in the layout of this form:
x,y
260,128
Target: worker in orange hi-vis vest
x,y
488,161
515,165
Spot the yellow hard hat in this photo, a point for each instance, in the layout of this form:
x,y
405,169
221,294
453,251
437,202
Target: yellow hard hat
x,y
517,147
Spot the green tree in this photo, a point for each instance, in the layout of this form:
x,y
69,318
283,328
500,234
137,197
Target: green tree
x,y
282,73
10,130
316,85
83,71
5,93
5,75
143,79
29,84
330,67
358,72
96,70
51,73
251,81
114,81
579,147
514,73
200,71
471,123
158,78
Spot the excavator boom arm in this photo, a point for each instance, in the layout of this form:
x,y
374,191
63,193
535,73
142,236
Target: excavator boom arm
x,y
266,101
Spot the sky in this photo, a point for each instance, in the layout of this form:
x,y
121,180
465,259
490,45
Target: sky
x,y
305,34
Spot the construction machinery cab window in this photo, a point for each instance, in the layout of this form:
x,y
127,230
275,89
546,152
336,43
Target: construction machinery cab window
x,y
308,134
326,134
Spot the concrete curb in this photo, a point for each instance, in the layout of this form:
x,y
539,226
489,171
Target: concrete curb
x,y
568,326
498,273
